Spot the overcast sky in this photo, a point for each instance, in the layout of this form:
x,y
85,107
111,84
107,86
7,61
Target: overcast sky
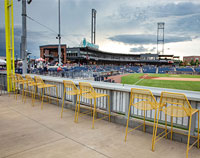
x,y
123,26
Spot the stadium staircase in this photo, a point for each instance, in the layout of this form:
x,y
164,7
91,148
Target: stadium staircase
x,y
141,70
174,69
157,70
193,69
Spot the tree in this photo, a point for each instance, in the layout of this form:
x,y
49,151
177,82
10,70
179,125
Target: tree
x,y
185,63
181,63
197,62
192,62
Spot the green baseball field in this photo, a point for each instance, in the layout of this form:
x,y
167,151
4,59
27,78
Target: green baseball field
x,y
172,81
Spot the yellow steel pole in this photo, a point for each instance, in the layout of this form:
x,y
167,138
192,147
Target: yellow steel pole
x,y
13,49
9,37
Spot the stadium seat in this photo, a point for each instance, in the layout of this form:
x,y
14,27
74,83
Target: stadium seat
x,y
141,99
149,69
88,92
185,69
162,70
197,69
135,69
41,85
175,105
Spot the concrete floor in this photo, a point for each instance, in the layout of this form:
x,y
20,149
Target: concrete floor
x,y
29,132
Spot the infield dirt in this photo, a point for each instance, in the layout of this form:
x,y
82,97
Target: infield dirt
x,y
169,78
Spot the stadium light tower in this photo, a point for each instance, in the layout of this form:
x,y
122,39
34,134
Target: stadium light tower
x,y
23,44
93,26
160,38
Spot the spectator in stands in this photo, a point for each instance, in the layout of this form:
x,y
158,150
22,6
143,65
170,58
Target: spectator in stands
x,y
59,69
45,68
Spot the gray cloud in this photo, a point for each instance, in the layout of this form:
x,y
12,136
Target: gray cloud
x,y
37,38
34,40
182,17
147,39
17,32
139,49
176,9
182,20
142,49
152,49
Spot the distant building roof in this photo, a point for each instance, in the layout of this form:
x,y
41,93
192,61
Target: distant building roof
x,y
100,51
166,55
192,56
53,45
124,54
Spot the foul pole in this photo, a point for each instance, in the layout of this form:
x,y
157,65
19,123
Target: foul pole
x,y
9,37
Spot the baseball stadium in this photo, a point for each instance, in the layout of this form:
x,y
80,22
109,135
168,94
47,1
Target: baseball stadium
x,y
152,70
83,101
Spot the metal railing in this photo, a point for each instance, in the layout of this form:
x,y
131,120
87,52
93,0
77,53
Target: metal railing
x,y
119,99
3,83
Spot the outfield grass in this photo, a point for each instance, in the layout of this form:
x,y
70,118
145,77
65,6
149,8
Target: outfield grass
x,y
184,85
174,75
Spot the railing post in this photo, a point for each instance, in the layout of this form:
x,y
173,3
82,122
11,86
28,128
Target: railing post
x,y
111,101
127,106
1,83
63,94
5,83
74,100
193,125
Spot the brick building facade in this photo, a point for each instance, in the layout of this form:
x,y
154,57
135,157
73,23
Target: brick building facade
x,y
50,53
188,59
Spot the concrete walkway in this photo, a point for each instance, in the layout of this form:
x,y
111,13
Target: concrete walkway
x,y
29,132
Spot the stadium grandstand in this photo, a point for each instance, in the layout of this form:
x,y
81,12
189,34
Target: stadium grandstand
x,y
186,69
197,69
165,69
89,62
149,69
89,55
